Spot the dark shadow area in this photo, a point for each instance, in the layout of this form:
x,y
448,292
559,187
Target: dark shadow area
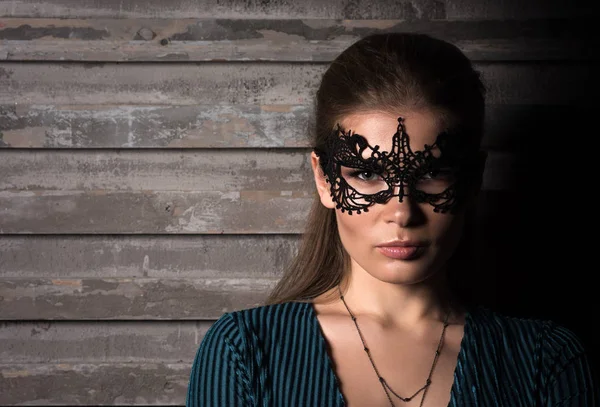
x,y
556,224
536,242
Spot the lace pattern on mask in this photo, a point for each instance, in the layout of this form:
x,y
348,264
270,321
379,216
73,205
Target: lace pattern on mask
x,y
400,167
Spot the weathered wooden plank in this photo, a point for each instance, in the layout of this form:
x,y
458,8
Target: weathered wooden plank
x,y
350,9
94,383
179,256
317,51
220,126
151,170
338,9
255,84
100,341
123,40
518,9
240,212
199,126
155,83
128,298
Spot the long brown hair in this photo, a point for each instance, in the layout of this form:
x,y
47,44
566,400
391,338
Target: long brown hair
x,y
380,72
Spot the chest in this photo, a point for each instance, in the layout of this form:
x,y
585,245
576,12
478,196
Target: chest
x,y
404,362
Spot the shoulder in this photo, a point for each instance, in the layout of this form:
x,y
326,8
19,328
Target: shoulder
x,y
528,357
270,317
284,308
223,331
240,323
545,336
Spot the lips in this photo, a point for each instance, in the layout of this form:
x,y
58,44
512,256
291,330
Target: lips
x,y
402,250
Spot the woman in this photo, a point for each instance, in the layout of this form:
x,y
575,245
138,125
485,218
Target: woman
x,y
369,313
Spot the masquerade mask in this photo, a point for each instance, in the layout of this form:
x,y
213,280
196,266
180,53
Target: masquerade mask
x,y
361,175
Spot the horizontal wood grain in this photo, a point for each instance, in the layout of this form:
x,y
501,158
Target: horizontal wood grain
x,y
256,84
299,40
24,342
166,126
151,170
134,256
154,212
128,298
338,9
94,383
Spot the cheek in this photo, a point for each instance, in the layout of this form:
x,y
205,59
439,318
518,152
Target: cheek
x,y
447,228
353,228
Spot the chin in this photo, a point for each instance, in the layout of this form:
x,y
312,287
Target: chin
x,y
407,276
405,280
393,273
409,272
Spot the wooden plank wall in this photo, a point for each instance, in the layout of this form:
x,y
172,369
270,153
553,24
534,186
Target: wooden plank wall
x,y
154,168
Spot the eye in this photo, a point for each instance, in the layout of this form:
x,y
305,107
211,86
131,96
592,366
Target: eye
x,y
365,175
442,174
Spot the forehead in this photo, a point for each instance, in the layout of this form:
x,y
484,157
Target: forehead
x,y
422,127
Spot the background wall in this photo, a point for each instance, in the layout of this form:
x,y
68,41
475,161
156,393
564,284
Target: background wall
x,y
154,172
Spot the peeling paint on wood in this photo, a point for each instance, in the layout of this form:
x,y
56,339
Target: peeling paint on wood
x,y
171,256
143,170
102,211
100,341
338,9
94,383
200,126
30,29
31,39
129,298
155,83
257,84
317,51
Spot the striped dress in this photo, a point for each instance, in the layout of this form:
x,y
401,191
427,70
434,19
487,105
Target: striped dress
x,y
275,355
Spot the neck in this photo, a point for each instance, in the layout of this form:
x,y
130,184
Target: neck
x,y
394,304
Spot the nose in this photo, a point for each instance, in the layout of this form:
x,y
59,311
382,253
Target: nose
x,y
402,209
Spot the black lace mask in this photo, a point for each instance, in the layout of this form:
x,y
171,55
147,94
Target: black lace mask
x,y
361,175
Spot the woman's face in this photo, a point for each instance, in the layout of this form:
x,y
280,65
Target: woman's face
x,y
431,236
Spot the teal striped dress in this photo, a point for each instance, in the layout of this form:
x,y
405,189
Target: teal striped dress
x,y
275,355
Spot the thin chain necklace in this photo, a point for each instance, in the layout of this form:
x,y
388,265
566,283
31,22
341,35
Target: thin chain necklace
x,y
384,384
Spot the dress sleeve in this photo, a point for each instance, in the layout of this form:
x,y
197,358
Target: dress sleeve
x,y
219,375
567,377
